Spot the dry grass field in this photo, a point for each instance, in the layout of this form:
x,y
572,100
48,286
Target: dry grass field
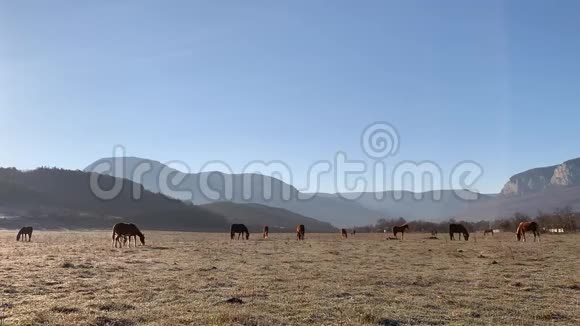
x,y
76,278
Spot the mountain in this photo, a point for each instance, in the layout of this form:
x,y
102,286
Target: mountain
x,y
536,180
210,187
544,189
431,205
255,216
63,198
547,201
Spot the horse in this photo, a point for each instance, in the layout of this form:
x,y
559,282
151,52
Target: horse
x,y
486,232
266,232
240,229
458,228
25,231
300,230
124,230
344,233
434,233
528,226
353,232
401,229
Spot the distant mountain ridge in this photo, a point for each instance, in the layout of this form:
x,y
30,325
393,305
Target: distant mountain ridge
x,y
540,189
237,188
57,198
536,180
51,196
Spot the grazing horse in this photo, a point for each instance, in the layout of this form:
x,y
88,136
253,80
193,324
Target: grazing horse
x,y
344,233
124,230
401,229
486,232
300,232
458,228
528,226
266,232
25,231
240,229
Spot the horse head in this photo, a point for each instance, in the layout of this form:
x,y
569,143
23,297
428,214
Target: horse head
x,y
466,236
142,238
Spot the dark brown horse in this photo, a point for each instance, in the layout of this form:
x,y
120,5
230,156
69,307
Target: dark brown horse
x,y
240,229
486,232
266,231
25,231
344,233
300,230
458,228
525,227
400,229
124,230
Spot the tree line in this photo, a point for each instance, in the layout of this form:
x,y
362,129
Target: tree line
x,y
565,219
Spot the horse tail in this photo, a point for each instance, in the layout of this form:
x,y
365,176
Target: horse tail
x,y
113,240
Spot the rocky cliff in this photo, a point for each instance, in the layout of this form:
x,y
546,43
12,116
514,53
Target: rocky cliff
x,y
536,180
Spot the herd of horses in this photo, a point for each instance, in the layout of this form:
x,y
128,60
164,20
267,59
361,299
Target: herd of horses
x,y
124,232
523,227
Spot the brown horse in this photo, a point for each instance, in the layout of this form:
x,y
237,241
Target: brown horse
x,y
240,229
458,228
400,229
124,230
300,230
266,231
344,233
25,231
486,232
528,226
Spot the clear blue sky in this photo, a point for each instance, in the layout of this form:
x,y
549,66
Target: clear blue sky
x,y
497,82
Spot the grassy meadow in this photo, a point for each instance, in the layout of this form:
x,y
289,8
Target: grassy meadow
x,y
76,278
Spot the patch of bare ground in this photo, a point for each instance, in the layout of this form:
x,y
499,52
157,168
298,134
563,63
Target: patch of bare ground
x,y
76,278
